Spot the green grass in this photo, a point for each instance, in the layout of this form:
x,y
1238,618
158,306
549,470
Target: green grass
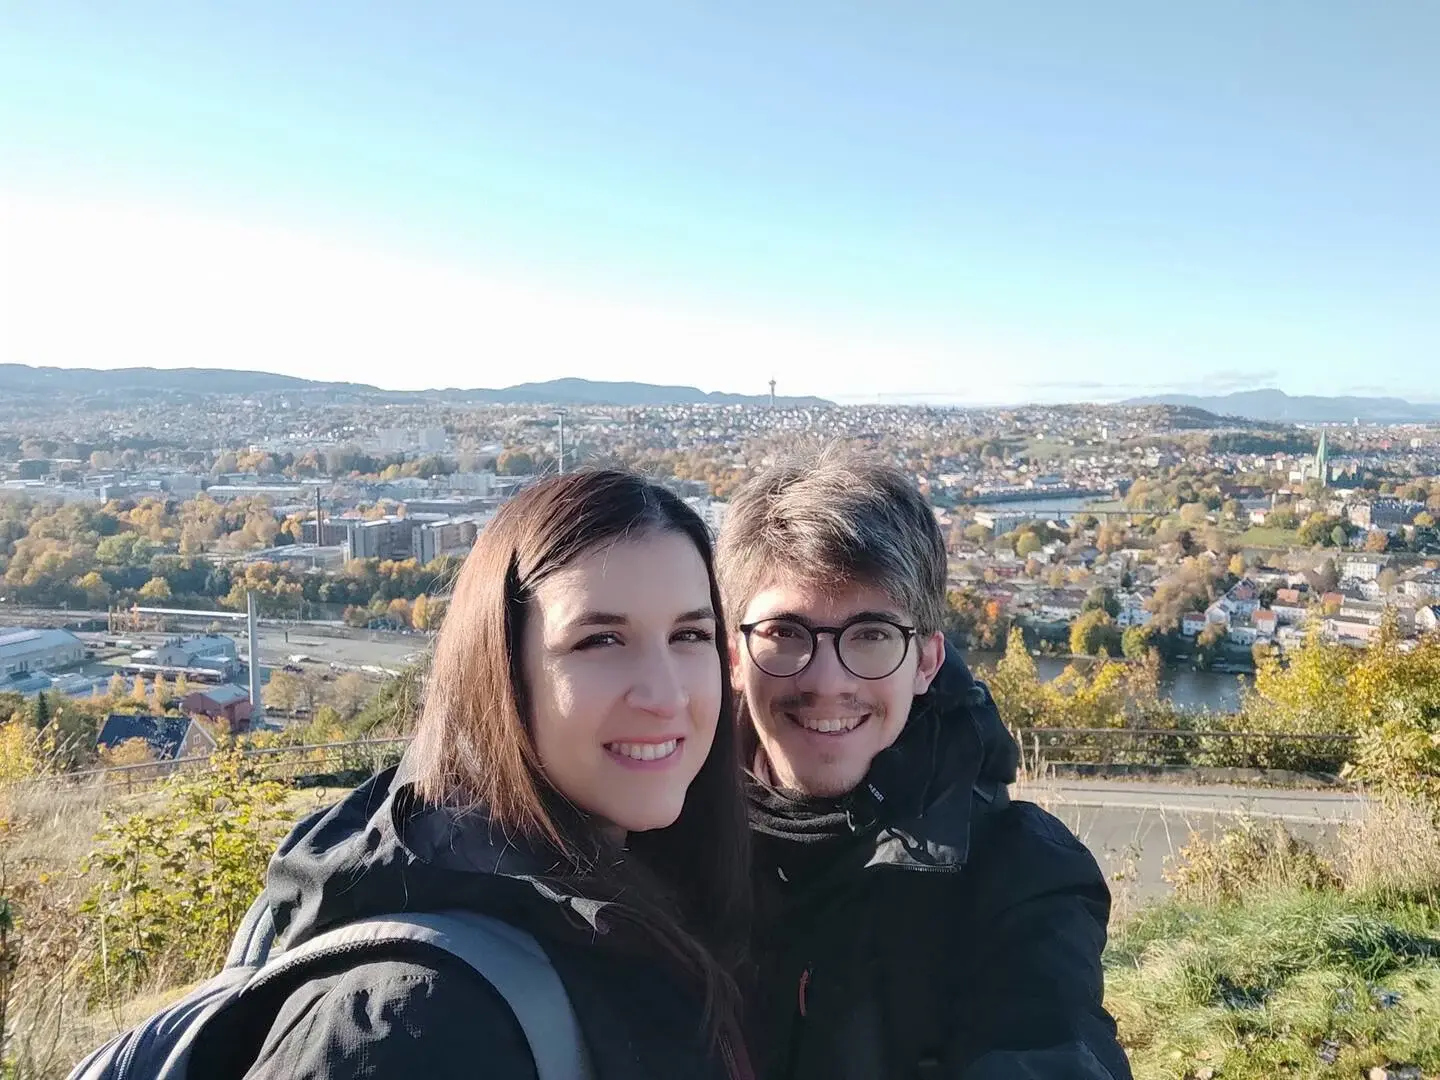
x,y
1268,987
1265,536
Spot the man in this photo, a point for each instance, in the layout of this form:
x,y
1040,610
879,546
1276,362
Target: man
x,y
912,921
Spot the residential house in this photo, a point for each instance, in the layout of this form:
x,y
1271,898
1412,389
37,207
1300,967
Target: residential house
x,y
1266,622
169,737
1242,600
1362,566
1217,614
227,703
1192,622
1061,605
1427,619
1242,633
1425,586
1289,606
1350,631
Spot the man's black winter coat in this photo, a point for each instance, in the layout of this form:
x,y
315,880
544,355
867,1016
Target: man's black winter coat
x,y
926,926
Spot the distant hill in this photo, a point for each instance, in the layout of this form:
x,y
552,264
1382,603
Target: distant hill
x,y
589,392
124,382
1276,406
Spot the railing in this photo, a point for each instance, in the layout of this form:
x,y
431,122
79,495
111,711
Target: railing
x,y
294,763
1040,747
1323,752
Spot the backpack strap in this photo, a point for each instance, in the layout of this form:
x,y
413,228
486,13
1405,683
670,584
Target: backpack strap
x,y
508,958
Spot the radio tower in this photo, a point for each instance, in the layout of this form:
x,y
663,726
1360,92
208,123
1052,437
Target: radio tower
x,y
772,393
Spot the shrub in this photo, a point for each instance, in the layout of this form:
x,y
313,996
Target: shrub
x,y
174,881
1244,860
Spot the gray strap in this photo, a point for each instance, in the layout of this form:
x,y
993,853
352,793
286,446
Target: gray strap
x,y
510,960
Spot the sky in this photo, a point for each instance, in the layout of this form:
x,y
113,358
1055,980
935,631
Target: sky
x,y
949,202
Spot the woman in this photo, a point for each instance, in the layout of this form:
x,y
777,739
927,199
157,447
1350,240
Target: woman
x,y
574,774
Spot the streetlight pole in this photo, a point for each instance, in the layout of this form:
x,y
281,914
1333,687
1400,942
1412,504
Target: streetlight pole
x,y
561,414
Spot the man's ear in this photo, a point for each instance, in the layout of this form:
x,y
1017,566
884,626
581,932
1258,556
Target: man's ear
x,y
932,655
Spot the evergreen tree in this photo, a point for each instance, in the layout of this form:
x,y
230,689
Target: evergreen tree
x,y
42,712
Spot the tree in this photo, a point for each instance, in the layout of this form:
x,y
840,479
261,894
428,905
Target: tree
x,y
1026,544
1207,645
159,694
349,693
1237,565
420,613
1339,536
117,686
1090,633
290,693
1377,541
42,712
1135,642
182,687
138,690
154,590
1387,580
1424,520
95,588
1102,598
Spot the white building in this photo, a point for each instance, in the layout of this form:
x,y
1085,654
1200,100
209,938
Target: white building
x,y
1364,567
33,650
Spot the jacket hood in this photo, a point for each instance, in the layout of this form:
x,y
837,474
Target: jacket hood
x,y
382,850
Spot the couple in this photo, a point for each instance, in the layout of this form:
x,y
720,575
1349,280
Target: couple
x,y
583,770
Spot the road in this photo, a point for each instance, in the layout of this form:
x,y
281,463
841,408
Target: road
x,y
1133,827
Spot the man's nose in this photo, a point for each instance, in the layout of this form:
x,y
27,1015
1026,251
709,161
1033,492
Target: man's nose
x,y
824,674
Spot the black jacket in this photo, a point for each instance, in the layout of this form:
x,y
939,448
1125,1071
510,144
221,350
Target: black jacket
x,y
926,926
429,1015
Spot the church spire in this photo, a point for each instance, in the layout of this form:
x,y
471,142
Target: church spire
x,y
1322,460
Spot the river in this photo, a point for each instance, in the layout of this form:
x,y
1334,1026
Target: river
x,y
1186,688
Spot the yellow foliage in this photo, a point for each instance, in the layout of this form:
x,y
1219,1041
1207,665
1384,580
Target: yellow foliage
x,y
19,752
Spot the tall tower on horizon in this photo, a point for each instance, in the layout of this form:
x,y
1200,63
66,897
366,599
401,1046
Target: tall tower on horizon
x,y
1322,460
772,393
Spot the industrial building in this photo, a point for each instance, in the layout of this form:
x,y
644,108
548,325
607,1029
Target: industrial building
x,y
32,650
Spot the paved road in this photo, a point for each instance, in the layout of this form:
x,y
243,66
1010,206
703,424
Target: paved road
x,y
1133,828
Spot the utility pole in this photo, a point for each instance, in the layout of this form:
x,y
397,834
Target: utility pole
x,y
319,528
561,414
257,707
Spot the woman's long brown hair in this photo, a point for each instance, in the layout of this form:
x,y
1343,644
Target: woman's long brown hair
x,y
683,890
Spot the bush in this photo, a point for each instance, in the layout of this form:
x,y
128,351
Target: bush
x,y
1247,859
175,881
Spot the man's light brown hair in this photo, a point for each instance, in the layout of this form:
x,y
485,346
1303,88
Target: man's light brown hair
x,y
834,518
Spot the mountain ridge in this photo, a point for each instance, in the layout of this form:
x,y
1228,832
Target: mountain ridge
x,y
25,379
1278,406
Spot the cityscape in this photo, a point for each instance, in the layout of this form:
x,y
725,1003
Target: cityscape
x,y
1097,529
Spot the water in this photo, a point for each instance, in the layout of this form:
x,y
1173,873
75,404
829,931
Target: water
x,y
1186,688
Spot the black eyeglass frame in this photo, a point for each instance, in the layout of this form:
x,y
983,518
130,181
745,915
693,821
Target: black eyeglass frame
x,y
908,633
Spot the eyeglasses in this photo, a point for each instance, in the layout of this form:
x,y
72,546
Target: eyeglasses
x,y
867,648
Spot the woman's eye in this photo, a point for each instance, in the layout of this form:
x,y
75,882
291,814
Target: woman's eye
x,y
598,640
695,635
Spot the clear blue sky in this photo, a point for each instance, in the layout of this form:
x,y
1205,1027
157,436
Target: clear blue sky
x,y
1050,200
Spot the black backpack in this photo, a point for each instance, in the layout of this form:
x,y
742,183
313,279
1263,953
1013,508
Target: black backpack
x,y
164,1047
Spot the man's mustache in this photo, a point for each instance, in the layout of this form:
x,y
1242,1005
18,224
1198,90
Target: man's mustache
x,y
810,701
